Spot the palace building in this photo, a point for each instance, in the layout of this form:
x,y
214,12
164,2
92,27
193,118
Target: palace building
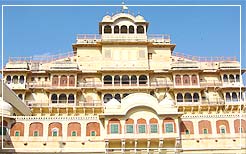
x,y
123,91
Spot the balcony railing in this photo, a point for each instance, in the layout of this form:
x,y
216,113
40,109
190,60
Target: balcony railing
x,y
204,59
200,102
63,103
41,59
38,84
210,83
93,38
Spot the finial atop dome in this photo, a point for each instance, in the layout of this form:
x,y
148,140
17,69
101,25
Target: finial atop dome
x,y
124,7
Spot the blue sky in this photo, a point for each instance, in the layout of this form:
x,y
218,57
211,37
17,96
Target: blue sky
x,y
198,31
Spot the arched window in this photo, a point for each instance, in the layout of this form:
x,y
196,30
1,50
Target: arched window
x,y
222,129
55,80
71,98
63,98
131,29
188,97
140,29
116,29
142,80
194,79
195,97
228,97
178,80
8,79
117,96
20,96
125,80
186,80
15,79
54,98
180,97
123,29
107,29
71,80
107,97
234,97
55,132
133,80
63,80
107,80
22,79
125,94
225,78
231,78
237,78
116,80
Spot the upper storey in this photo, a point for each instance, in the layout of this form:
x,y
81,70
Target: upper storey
x,y
123,27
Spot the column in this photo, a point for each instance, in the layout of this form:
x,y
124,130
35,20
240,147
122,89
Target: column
x,y
177,120
190,79
231,126
122,123
148,80
214,128
137,80
45,130
195,126
64,131
26,130
112,80
59,78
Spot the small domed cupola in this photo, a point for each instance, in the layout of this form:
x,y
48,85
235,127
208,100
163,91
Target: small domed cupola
x,y
167,102
123,23
113,104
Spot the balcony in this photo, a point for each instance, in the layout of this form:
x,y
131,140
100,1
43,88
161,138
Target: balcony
x,y
210,83
39,84
16,85
187,65
160,84
125,65
64,65
232,84
89,84
233,64
63,103
94,38
141,136
201,102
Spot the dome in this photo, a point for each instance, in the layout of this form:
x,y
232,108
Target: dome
x,y
167,102
113,103
7,108
106,18
138,17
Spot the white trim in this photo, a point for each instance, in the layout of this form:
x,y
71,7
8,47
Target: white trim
x,y
75,132
16,132
34,133
54,129
222,126
145,126
93,131
133,131
157,128
165,126
114,124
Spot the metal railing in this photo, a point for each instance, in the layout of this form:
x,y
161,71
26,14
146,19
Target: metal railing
x,y
210,83
41,59
93,38
204,59
63,103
